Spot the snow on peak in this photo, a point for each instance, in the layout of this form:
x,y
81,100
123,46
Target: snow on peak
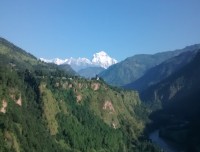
x,y
56,61
78,61
100,59
103,59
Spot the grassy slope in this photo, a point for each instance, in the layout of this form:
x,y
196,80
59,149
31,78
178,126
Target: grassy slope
x,y
50,109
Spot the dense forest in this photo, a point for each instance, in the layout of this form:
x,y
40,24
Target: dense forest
x,y
178,119
43,108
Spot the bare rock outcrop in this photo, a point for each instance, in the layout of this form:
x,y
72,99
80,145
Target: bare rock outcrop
x,y
95,86
79,98
19,101
4,106
108,106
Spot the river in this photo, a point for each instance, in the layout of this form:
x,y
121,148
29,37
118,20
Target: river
x,y
167,147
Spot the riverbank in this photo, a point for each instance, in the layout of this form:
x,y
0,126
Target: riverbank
x,y
165,145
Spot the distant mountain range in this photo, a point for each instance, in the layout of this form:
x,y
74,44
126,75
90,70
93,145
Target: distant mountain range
x,y
133,68
133,72
90,72
176,85
161,71
100,59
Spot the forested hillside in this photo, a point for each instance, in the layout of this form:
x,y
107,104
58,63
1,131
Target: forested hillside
x,y
134,67
20,59
160,72
178,120
43,108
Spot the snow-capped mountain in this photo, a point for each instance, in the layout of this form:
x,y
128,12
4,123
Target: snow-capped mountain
x,y
103,60
100,59
56,61
79,63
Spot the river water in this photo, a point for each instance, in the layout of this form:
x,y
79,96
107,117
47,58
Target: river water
x,y
167,147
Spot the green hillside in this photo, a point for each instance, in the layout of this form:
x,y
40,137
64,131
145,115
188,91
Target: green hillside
x,y
20,59
43,108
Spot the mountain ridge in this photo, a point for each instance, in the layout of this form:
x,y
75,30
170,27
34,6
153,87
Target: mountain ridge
x,y
19,58
90,72
190,71
100,59
178,118
156,74
132,68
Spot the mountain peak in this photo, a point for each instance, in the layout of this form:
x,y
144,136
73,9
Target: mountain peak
x,y
100,59
101,53
103,59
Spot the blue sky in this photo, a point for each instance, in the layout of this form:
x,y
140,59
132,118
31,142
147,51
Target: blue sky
x,y
80,28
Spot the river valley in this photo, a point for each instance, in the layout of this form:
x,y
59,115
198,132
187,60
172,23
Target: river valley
x,y
166,146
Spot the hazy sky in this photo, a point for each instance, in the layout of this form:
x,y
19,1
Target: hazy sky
x,y
122,28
